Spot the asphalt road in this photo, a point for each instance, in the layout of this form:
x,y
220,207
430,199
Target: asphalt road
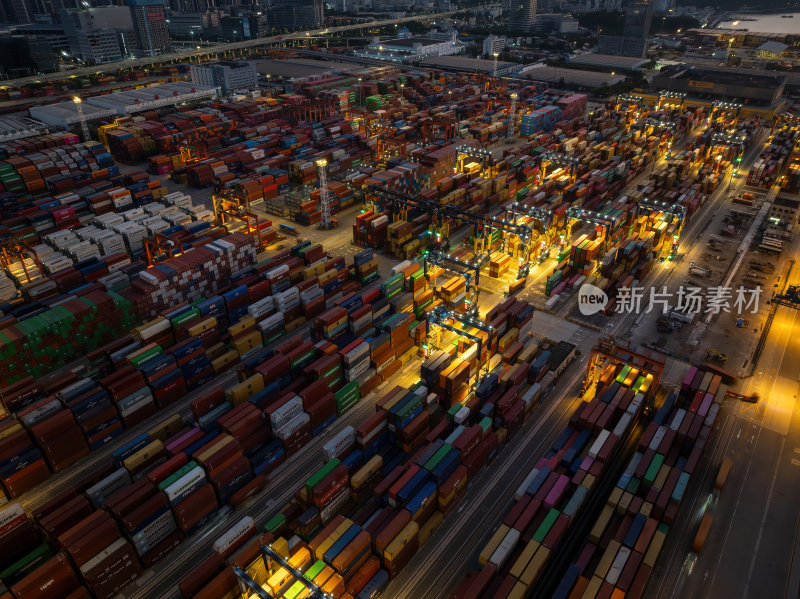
x,y
752,549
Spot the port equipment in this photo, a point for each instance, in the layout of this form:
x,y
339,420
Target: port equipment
x,y
608,349
191,154
676,210
82,117
671,98
246,583
574,215
234,207
324,199
479,154
471,271
431,126
483,225
783,117
789,298
441,316
716,355
628,100
512,115
725,107
17,248
544,218
558,159
159,248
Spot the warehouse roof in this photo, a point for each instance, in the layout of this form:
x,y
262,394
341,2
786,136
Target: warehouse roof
x,y
410,42
540,72
774,47
19,127
65,114
609,60
728,77
465,63
295,68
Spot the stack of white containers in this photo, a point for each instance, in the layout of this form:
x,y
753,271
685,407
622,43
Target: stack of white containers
x,y
7,288
289,418
356,362
287,300
340,445
133,234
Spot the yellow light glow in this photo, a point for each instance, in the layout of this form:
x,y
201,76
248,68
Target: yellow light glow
x,y
76,99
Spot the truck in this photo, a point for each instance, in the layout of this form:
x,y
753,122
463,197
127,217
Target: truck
x,y
722,475
702,533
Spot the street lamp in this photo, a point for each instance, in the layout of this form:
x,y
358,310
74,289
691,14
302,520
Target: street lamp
x,y
612,78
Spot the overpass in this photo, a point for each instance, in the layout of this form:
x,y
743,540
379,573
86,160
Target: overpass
x,y
213,51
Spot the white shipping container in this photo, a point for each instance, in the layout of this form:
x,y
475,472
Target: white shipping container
x,y
461,416
531,395
309,295
505,549
525,484
261,307
657,437
340,445
622,425
293,426
598,443
636,404
291,409
242,528
617,565
678,419
277,272
403,265
271,323
185,484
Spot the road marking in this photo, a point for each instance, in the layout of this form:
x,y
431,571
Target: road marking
x,y
763,518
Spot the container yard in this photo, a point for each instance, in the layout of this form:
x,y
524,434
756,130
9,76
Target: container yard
x,y
326,341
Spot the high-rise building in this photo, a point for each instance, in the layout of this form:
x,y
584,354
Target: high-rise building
x,y
98,35
520,15
291,14
226,74
150,26
633,41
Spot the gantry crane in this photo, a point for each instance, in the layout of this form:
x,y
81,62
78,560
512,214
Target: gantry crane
x,y
725,107
471,271
439,317
159,248
628,100
609,349
483,225
671,98
574,215
234,207
558,159
248,585
544,217
431,125
677,211
784,117
191,153
16,247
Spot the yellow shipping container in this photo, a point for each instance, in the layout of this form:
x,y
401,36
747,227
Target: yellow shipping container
x,y
368,470
230,357
403,538
431,524
535,566
493,544
201,327
245,390
164,429
326,544
241,326
524,559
